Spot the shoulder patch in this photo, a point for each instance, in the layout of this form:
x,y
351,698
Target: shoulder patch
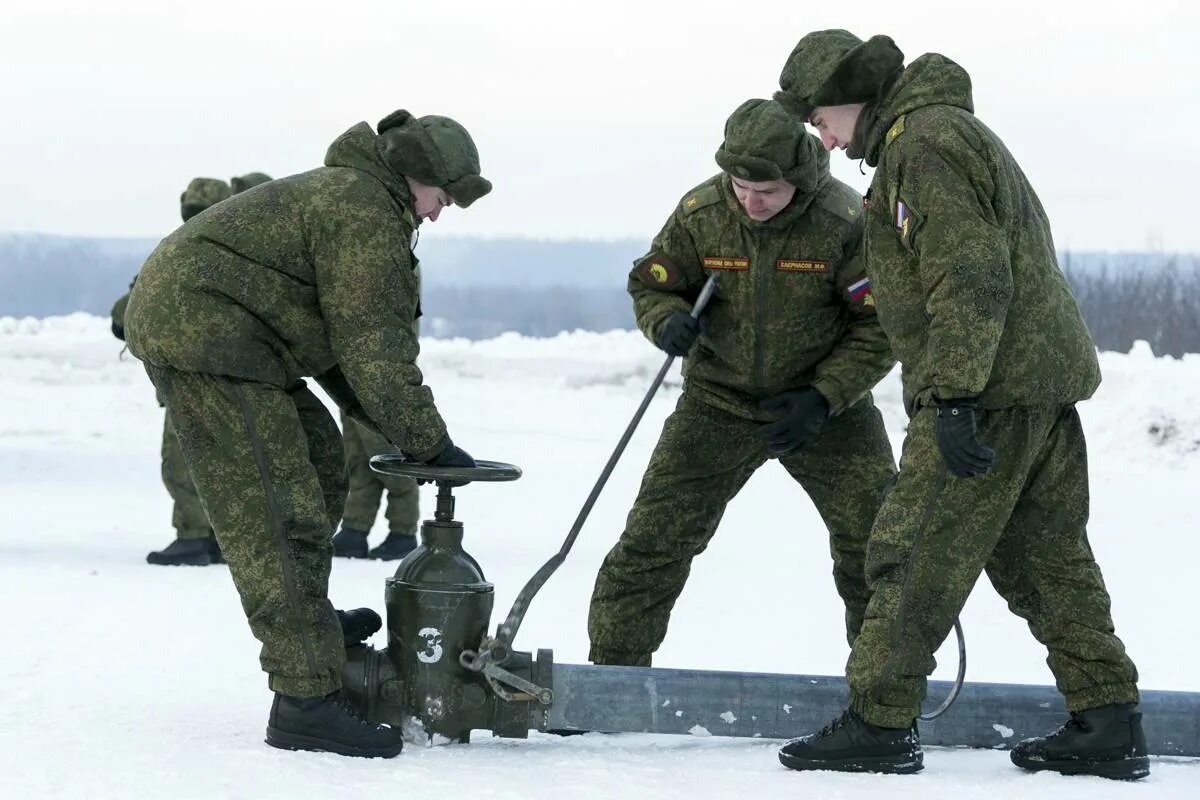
x,y
842,201
657,271
894,131
704,196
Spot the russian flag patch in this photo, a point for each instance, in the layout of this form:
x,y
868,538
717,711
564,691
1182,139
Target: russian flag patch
x,y
860,290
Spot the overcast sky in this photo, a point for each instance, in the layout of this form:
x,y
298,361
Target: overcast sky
x,y
591,118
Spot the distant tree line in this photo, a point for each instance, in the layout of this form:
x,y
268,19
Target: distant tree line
x,y
481,312
1122,302
480,288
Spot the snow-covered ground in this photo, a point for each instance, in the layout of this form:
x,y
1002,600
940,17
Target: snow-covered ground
x,y
125,680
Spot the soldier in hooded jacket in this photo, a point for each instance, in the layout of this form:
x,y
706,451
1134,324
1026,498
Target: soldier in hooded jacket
x,y
308,275
779,366
993,473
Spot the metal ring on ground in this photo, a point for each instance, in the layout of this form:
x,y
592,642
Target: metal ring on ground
x,y
958,681
485,471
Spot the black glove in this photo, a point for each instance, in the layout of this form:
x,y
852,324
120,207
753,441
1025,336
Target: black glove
x,y
804,413
965,457
679,334
452,456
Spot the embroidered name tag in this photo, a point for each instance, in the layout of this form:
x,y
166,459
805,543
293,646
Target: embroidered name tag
x,y
799,265
713,262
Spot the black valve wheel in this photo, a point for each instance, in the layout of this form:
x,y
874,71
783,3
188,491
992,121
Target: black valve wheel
x,y
485,471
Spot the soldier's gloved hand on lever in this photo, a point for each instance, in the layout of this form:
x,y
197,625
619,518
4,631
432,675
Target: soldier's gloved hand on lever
x,y
804,414
678,334
954,429
451,456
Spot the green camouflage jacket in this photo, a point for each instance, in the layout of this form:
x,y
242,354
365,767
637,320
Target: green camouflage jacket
x,y
791,309
307,275
960,255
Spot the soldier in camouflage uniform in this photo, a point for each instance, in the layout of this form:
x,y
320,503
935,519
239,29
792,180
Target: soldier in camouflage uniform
x,y
362,501
241,183
309,275
403,510
781,367
993,474
194,542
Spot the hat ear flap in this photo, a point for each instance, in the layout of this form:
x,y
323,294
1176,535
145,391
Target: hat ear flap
x,y
861,73
408,151
393,120
794,105
468,189
808,172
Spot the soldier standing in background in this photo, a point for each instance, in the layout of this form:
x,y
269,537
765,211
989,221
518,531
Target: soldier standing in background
x,y
309,275
362,500
993,475
366,488
241,183
781,367
194,543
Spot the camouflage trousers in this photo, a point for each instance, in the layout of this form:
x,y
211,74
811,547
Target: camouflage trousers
x,y
187,513
268,466
1024,523
367,486
702,460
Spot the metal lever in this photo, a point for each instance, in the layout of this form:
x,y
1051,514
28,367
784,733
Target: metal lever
x,y
500,646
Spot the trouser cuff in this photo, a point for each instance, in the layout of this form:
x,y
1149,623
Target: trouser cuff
x,y
880,715
618,658
194,533
306,686
1104,695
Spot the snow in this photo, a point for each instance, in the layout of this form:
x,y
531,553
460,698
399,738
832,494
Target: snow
x,y
124,680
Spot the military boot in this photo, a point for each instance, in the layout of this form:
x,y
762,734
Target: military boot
x,y
851,744
214,551
1106,741
396,545
329,724
181,552
350,543
358,624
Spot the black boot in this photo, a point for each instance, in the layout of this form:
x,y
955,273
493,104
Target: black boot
x,y
1106,741
396,545
214,551
350,543
358,624
189,552
851,744
328,724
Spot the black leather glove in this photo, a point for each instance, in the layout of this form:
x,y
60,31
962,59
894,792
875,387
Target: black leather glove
x,y
452,456
804,413
954,429
679,334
